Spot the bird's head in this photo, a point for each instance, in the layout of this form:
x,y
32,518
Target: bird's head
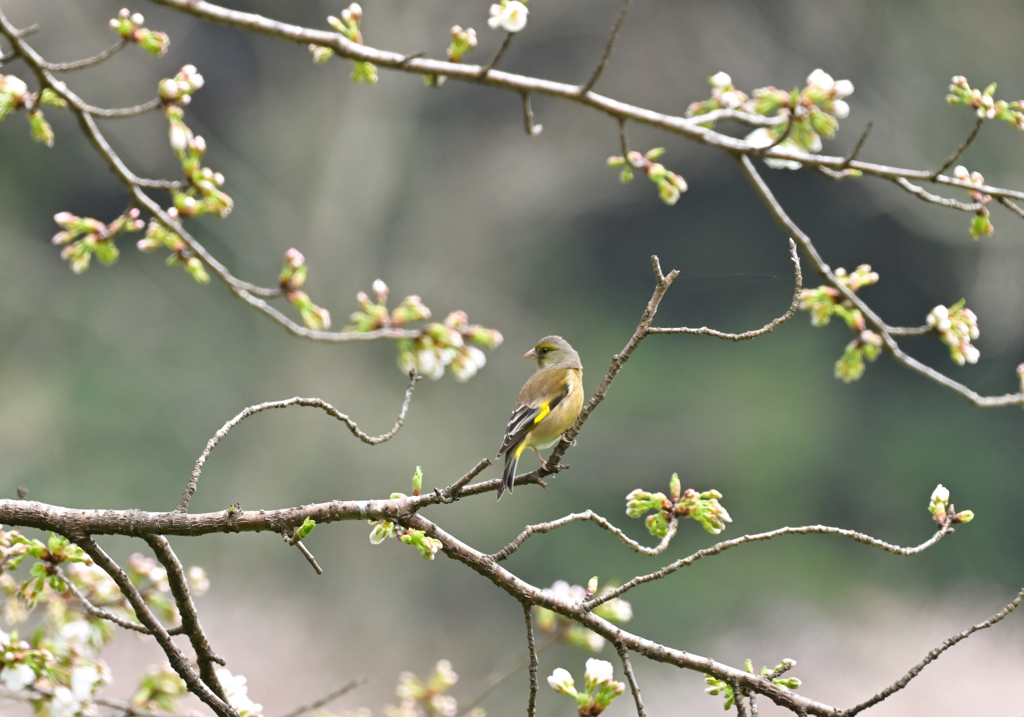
x,y
554,351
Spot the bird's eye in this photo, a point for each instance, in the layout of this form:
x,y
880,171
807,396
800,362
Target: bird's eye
x,y
544,350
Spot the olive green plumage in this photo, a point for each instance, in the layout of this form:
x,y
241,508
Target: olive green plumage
x,y
548,404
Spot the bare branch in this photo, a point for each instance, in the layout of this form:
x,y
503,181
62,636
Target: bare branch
x,y
531,129
609,46
193,482
124,111
87,62
934,654
531,705
317,704
959,150
910,330
623,138
1011,206
758,537
633,686
595,518
767,328
178,661
737,698
205,656
936,199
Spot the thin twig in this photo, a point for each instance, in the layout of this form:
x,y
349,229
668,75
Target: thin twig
x,y
531,129
758,537
746,335
855,151
595,518
737,698
31,694
910,330
153,104
1011,206
631,678
87,62
609,46
936,199
782,137
409,58
512,670
193,482
959,150
531,705
178,583
98,611
934,654
457,489
174,655
317,704
623,139
497,56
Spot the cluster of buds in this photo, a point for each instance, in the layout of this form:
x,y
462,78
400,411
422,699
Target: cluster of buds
x,y
509,15
462,42
704,507
824,301
129,26
957,326
943,512
600,687
982,102
180,89
98,237
236,690
159,235
438,345
724,96
866,347
809,113
384,529
348,25
430,698
670,185
14,95
981,224
563,629
159,690
716,686
293,276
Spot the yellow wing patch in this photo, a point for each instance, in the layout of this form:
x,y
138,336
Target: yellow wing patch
x,y
545,409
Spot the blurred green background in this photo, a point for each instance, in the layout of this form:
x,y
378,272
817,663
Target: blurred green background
x,y
112,382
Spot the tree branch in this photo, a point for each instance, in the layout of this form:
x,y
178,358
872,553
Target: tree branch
x,y
936,199
317,704
959,150
87,62
531,705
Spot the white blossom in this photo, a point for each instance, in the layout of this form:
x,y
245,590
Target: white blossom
x,y
598,672
821,79
510,16
561,681
16,677
721,79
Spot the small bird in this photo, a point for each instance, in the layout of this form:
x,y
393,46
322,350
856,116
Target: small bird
x,y
548,404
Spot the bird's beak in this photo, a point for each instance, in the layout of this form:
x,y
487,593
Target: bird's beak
x,y
531,354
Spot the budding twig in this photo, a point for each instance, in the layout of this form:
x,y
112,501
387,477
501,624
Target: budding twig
x,y
936,199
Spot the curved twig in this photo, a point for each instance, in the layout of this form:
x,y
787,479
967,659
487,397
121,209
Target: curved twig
x,y
482,73
317,704
758,537
193,482
88,61
936,199
531,129
594,518
746,335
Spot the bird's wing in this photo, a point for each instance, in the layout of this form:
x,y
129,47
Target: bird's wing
x,y
533,407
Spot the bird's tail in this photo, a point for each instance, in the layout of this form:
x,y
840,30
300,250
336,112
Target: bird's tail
x,y
508,477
